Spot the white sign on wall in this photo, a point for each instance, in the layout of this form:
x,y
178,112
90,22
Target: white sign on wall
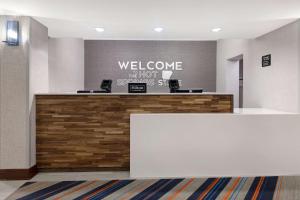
x,y
152,72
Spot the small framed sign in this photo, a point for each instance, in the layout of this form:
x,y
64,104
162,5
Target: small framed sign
x,y
137,87
266,60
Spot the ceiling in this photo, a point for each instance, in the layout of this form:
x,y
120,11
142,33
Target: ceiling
x,y
136,19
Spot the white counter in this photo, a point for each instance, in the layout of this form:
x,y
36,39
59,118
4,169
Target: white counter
x,y
250,142
134,94
259,111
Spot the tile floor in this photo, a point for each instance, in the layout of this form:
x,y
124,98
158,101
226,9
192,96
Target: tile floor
x,y
8,187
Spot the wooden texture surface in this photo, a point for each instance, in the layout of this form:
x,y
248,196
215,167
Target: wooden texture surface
x,y
90,132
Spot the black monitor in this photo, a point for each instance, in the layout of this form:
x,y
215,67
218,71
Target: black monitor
x,y
106,85
137,87
173,85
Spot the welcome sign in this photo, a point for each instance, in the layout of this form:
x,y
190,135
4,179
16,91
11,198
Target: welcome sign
x,y
150,72
193,63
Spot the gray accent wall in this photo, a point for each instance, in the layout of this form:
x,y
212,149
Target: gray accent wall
x,y
198,62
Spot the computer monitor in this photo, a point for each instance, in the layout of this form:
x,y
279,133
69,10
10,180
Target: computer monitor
x,y
173,85
106,85
137,87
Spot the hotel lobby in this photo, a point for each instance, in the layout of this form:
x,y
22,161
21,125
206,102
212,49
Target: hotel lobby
x,y
136,99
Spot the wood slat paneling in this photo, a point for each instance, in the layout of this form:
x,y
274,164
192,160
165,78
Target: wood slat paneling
x,y
82,132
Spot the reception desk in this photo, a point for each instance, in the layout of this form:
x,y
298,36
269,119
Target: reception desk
x,y
88,132
248,143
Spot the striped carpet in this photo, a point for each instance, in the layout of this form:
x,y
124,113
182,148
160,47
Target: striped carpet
x,y
262,188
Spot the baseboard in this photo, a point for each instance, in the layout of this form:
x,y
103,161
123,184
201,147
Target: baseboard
x,y
86,169
18,174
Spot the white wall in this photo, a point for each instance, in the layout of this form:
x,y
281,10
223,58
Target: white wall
x,y
23,70
227,70
38,75
274,87
66,64
277,86
14,130
299,68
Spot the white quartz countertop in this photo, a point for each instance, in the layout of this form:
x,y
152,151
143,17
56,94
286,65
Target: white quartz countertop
x,y
134,94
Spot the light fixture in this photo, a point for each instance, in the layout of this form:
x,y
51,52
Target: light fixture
x,y
158,29
99,29
12,33
215,30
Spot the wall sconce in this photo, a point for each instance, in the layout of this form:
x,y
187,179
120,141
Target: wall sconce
x,y
12,33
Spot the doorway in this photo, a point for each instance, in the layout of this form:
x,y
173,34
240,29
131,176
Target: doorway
x,y
235,79
241,82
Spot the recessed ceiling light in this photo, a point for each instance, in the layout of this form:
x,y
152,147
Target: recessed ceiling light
x,y
99,29
158,29
215,30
